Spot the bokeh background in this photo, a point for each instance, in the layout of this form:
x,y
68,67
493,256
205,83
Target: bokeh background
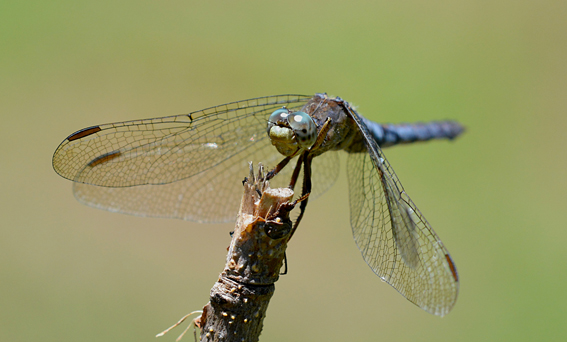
x,y
496,196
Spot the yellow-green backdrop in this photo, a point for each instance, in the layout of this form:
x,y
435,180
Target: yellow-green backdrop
x,y
496,196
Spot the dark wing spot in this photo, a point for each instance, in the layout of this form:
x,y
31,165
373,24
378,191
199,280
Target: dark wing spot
x,y
104,158
83,133
452,267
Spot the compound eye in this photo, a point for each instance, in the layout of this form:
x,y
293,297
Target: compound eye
x,y
303,127
278,117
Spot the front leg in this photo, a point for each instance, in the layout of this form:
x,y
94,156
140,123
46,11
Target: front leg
x,y
278,168
296,171
307,158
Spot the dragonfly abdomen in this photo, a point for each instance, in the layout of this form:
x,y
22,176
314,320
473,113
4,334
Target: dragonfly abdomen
x,y
393,134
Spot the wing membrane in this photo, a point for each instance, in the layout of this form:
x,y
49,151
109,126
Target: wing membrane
x,y
395,240
164,150
156,167
211,196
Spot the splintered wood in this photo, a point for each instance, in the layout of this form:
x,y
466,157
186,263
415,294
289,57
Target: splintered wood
x,y
240,297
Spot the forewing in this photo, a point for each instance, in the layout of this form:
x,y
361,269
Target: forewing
x,y
168,149
185,166
395,240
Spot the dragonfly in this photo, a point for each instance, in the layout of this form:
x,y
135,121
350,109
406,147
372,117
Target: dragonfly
x,y
185,166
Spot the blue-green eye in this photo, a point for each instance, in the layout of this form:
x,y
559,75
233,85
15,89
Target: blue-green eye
x,y
278,117
303,127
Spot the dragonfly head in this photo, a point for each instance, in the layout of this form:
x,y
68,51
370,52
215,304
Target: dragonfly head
x,y
290,131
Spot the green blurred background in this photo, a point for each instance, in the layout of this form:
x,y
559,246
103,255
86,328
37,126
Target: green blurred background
x,y
496,196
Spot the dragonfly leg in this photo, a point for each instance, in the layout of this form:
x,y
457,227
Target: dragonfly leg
x,y
278,168
306,158
285,264
306,190
296,171
321,135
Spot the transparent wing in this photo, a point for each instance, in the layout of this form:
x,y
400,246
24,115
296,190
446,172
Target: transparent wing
x,y
164,150
184,166
395,240
211,196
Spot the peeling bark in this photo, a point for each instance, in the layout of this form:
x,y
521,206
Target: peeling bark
x,y
240,297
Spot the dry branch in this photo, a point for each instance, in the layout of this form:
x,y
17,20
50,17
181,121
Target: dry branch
x,y
240,297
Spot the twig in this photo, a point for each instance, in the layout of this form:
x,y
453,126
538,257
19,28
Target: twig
x,y
240,297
